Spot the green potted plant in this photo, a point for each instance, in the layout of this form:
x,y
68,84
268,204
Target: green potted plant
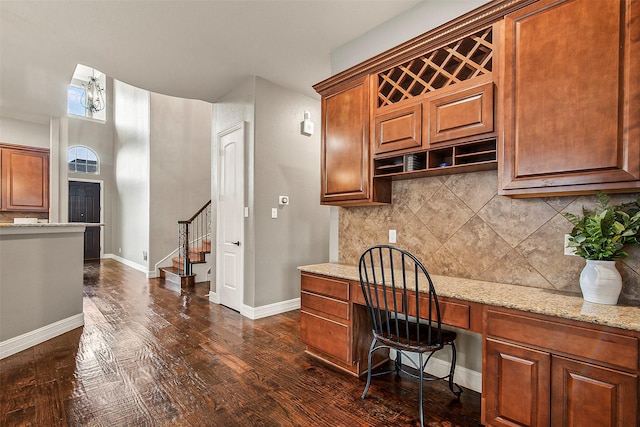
x,y
600,236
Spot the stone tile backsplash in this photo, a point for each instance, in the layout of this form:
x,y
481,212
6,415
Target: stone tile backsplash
x,y
459,226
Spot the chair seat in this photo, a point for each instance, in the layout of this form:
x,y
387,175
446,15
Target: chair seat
x,y
412,344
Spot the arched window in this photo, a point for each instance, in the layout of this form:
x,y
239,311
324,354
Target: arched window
x,y
83,160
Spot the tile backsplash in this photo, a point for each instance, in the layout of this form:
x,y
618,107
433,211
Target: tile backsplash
x,y
459,226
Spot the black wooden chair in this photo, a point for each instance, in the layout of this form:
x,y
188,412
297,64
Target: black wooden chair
x,y
399,320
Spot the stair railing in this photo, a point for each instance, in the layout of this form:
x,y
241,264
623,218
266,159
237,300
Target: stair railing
x,y
193,231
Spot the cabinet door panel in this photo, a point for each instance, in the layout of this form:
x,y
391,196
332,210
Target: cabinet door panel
x,y
571,90
515,385
465,113
398,130
589,395
25,180
345,156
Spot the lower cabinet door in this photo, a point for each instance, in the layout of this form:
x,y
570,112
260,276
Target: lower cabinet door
x,y
588,395
516,385
327,336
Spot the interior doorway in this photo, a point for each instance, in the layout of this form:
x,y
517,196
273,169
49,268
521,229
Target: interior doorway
x,y
230,226
85,206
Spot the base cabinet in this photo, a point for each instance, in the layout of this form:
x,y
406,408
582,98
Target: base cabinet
x,y
334,329
528,384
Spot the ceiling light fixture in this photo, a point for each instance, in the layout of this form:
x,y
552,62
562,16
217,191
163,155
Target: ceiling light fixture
x,y
93,97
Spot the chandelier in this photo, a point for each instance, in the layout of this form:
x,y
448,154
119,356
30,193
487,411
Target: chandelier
x,y
93,97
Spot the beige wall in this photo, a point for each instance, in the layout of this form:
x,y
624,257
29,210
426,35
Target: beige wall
x,y
459,226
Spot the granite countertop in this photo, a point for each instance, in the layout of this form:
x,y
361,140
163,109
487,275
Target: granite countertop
x,y
7,229
524,298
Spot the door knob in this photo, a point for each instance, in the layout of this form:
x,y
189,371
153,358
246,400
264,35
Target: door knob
x,y
235,243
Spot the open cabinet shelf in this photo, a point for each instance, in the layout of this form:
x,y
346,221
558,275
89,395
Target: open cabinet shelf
x,y
468,157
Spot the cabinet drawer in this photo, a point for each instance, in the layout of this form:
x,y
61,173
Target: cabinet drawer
x,y
323,304
597,346
451,313
461,114
322,285
325,335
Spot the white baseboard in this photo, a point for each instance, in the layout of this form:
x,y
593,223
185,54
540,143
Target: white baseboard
x,y
140,268
463,376
270,309
214,297
22,342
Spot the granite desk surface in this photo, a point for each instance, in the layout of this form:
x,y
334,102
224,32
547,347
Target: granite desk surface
x,y
523,298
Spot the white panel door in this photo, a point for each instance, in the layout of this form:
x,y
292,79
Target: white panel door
x,y
230,233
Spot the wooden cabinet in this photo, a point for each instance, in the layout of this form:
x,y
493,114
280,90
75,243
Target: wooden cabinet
x,y
324,316
25,178
571,81
334,329
538,371
346,155
434,113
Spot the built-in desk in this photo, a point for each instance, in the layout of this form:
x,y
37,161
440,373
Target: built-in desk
x,y
547,356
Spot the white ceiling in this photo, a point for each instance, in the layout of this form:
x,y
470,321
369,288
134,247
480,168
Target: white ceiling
x,y
191,49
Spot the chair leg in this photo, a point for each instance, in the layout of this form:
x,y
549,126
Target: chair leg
x,y
398,362
452,371
366,388
421,375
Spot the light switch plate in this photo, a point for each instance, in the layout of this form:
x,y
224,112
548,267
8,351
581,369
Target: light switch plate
x,y
392,236
274,212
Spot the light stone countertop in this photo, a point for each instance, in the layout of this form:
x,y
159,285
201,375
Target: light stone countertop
x,y
45,228
523,298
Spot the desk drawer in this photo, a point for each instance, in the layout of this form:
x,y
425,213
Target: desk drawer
x,y
325,335
578,341
451,313
324,304
323,285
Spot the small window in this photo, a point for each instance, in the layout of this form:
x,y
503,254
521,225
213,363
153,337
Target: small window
x,y
83,160
87,95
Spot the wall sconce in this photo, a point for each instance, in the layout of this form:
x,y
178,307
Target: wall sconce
x,y
306,126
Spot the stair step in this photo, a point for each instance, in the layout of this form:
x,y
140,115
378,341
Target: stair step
x,y
174,275
178,262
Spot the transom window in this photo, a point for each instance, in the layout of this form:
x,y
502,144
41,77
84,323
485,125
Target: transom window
x,y
83,160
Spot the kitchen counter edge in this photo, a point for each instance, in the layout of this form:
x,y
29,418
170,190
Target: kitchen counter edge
x,y
524,298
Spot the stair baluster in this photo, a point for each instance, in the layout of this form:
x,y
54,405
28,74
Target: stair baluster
x,y
193,242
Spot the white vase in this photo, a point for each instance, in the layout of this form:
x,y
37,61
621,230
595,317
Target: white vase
x,y
600,282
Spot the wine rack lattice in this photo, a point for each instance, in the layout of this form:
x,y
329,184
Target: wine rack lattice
x,y
461,60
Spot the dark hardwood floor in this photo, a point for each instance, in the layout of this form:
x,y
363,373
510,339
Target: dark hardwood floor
x,y
153,354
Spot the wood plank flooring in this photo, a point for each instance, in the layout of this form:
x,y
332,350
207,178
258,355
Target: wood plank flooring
x,y
151,354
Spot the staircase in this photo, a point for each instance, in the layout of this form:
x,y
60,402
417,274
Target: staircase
x,y
194,243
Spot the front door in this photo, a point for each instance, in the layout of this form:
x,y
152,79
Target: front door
x,y
230,228
84,206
